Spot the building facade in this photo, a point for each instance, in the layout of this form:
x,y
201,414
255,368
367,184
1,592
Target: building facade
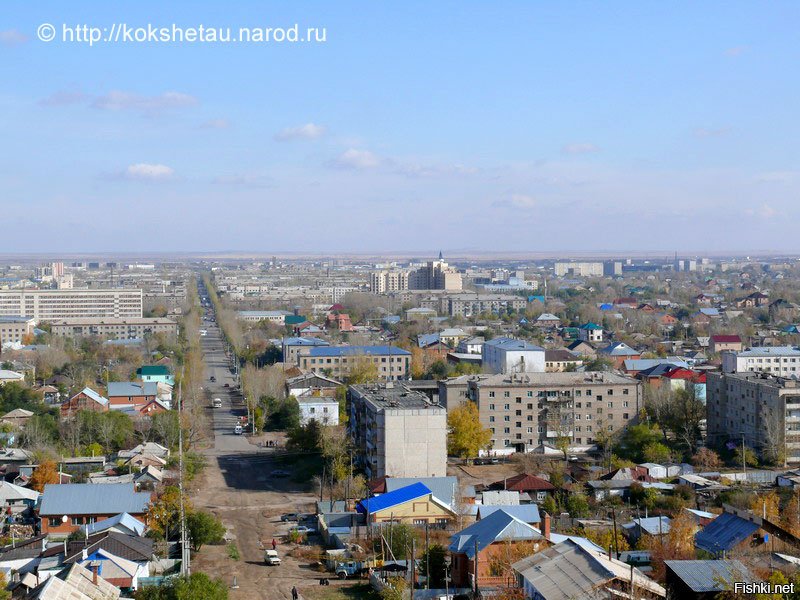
x,y
776,360
396,431
507,355
473,304
50,305
117,329
580,269
526,409
391,363
14,329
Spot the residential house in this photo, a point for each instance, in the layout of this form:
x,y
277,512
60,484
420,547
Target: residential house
x,y
131,393
704,579
582,348
547,320
77,582
507,355
560,360
413,504
537,488
653,527
17,417
122,523
86,399
7,376
157,373
590,332
527,513
618,353
720,343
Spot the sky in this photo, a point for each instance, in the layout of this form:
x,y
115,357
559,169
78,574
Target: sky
x,y
467,126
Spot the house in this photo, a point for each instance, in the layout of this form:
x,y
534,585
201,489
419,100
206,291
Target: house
x,y
131,393
718,343
86,399
560,360
619,352
590,332
443,488
312,384
414,504
65,508
77,582
122,523
582,348
145,448
17,417
570,570
656,527
655,471
340,321
473,345
704,579
416,314
508,355
626,302
727,532
116,570
7,376
324,411
477,548
536,487
527,513
547,320
157,373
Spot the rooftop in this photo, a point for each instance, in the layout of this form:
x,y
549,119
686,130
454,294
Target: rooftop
x,y
512,344
393,395
358,351
90,499
552,379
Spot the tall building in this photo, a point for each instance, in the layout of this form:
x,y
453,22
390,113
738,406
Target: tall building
x,y
524,410
14,329
389,280
435,275
757,409
396,431
507,355
48,305
775,360
127,328
391,363
580,269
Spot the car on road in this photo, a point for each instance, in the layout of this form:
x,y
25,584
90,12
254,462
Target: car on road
x,y
216,403
271,557
279,473
227,385
290,517
302,529
237,430
212,379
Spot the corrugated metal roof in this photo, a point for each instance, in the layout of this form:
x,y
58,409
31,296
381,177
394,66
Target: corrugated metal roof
x,y
132,388
709,575
442,488
389,499
527,513
89,499
499,526
724,533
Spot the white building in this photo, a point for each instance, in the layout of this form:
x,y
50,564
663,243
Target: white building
x,y
777,360
14,329
273,316
324,411
507,355
579,269
48,305
116,329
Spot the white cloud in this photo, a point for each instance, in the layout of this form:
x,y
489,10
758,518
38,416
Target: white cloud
x,y
64,98
517,201
356,159
118,101
309,131
12,37
580,148
148,172
253,180
216,124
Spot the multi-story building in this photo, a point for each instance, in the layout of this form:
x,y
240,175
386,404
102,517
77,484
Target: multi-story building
x,y
435,275
292,348
472,304
48,305
396,431
254,316
580,269
757,409
776,360
388,281
524,410
507,355
339,362
117,329
14,329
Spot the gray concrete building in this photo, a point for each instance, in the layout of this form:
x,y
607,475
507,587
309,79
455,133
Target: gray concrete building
x,y
396,431
117,329
48,305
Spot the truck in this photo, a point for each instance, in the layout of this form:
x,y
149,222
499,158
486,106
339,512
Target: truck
x,y
354,568
271,557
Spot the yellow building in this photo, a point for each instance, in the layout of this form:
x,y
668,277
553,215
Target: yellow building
x,y
414,504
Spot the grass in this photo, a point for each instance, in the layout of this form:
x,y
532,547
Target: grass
x,y
359,591
233,551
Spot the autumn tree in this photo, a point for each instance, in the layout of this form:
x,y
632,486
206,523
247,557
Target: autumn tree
x,y
46,472
677,544
466,436
706,459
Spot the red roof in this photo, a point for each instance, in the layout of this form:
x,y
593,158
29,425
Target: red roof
x,y
524,483
726,339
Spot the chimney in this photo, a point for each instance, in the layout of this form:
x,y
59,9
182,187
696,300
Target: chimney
x,y
94,566
546,525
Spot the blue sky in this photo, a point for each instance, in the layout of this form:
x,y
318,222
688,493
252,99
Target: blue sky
x,y
519,126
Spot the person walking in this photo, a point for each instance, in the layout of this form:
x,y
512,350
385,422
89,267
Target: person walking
x,y
294,593
274,544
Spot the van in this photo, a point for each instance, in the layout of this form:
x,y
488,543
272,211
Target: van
x,y
238,429
216,403
271,557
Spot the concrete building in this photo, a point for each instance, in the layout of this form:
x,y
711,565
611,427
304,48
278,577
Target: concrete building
x,y
293,346
396,431
435,275
527,409
472,304
507,355
324,411
559,359
115,328
14,329
777,360
49,305
759,409
254,316
388,280
338,361
579,269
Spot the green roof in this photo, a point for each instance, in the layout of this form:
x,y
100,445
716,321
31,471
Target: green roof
x,y
152,370
294,319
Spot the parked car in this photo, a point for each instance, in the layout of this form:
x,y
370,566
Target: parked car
x,y
290,517
227,385
280,473
237,430
212,379
303,529
216,403
271,557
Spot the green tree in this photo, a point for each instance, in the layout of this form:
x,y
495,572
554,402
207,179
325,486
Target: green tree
x,y
466,436
204,528
635,439
656,452
577,505
399,537
434,558
4,593
307,438
549,505
197,586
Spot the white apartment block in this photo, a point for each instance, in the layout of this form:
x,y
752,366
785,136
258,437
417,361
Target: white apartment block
x,y
14,329
397,432
507,355
776,360
435,275
324,411
49,305
254,316
579,269
117,329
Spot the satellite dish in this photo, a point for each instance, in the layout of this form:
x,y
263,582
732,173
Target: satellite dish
x,y
64,519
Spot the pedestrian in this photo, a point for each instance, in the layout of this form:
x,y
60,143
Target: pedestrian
x,y
274,544
294,593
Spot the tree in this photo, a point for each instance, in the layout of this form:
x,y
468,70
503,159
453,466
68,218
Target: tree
x,y
46,472
363,370
549,505
399,537
4,593
706,459
197,586
204,528
656,452
677,544
635,439
307,438
165,512
466,436
577,505
434,559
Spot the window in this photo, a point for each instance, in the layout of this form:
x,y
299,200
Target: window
x,y
624,415
625,404
625,392
53,521
610,405
506,407
507,419
76,520
491,394
530,394
610,392
491,419
506,394
491,407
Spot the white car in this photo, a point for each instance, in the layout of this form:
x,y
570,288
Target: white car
x,y
216,403
271,557
238,429
303,529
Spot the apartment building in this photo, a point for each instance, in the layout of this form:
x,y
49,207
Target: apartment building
x,y
14,329
471,304
49,305
116,329
579,269
435,275
396,431
254,316
776,360
524,410
507,355
339,361
759,409
388,281
292,348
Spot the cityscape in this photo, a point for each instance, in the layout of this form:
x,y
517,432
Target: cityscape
x,y
381,301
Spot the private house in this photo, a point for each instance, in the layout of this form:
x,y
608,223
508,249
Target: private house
x,y
507,355
17,417
340,321
86,399
131,393
590,332
485,545
719,343
655,527
157,373
547,320
571,570
122,523
65,508
17,498
524,483
618,353
77,582
582,348
116,570
527,513
704,579
315,385
414,504
7,376
444,488
560,360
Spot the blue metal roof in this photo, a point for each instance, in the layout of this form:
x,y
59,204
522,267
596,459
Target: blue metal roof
x,y
724,533
527,513
389,499
358,350
91,499
308,341
442,488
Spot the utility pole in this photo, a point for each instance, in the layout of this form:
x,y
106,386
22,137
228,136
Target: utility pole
x,y
744,462
185,550
413,566
475,571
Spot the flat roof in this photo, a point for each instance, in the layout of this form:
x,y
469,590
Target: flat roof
x,y
393,395
566,379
